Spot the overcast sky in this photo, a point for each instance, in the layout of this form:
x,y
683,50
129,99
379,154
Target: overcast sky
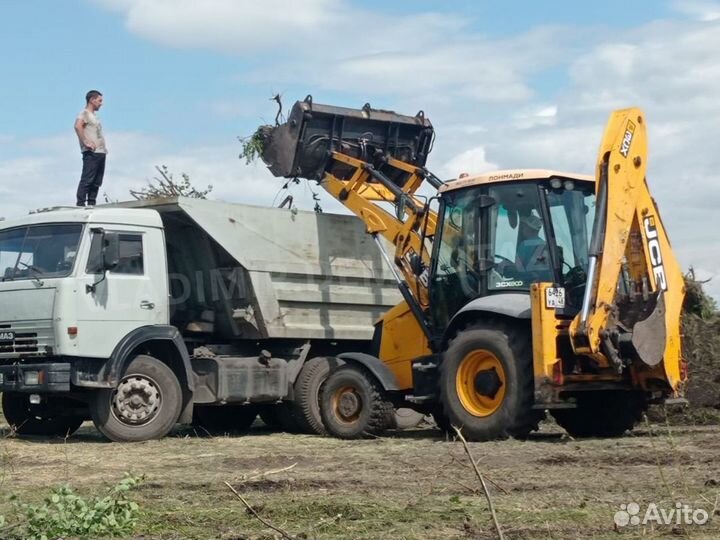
x,y
506,84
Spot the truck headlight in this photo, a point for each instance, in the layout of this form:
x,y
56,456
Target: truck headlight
x,y
32,378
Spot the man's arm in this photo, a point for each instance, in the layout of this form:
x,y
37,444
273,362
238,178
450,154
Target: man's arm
x,y
79,129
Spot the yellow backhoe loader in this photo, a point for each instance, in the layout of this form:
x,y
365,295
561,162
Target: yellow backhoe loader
x,y
524,290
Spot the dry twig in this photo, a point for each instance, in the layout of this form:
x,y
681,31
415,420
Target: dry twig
x,y
491,506
262,520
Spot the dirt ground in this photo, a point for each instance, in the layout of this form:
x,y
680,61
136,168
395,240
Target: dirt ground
x,y
409,485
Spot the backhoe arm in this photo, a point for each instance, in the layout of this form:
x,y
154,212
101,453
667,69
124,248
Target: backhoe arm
x,y
634,292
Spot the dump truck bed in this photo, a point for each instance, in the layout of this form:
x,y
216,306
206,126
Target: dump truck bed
x,y
252,272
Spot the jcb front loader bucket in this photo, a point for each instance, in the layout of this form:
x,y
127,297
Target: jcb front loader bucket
x,y
302,146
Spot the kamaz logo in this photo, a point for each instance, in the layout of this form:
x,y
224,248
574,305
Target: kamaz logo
x,y
7,336
627,139
653,245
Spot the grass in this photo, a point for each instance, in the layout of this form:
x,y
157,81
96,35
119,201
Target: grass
x,y
411,486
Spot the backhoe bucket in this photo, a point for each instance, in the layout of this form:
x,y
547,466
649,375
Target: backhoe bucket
x,y
302,146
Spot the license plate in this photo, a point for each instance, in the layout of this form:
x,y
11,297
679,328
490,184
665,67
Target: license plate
x,y
555,297
7,336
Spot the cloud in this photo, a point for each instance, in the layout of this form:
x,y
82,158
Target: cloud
x,y
47,172
486,97
432,56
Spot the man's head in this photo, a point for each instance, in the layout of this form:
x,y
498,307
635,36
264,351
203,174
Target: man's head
x,y
532,224
94,99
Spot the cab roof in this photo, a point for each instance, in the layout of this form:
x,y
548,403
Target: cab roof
x,y
512,175
100,215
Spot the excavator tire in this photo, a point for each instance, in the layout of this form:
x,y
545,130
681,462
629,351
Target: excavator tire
x,y
602,414
486,382
353,404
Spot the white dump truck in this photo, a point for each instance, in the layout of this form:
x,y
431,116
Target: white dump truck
x,y
150,313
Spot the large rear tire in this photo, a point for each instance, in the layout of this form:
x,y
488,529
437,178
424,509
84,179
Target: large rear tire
x,y
602,414
486,382
306,405
353,404
145,405
48,420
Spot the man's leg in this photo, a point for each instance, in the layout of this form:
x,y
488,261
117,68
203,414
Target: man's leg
x,y
87,177
97,180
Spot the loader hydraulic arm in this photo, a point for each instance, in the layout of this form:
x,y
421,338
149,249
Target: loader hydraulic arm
x,y
363,193
634,292
372,161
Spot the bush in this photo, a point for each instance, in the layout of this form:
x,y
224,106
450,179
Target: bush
x,y
64,513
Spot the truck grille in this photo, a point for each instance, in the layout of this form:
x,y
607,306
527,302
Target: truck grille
x,y
32,338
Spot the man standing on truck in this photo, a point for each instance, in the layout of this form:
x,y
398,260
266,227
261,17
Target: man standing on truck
x,y
92,146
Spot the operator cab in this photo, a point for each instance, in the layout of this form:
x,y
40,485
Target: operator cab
x,y
503,231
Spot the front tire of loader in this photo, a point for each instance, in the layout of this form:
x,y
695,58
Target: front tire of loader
x,y
145,405
486,383
602,414
353,405
25,418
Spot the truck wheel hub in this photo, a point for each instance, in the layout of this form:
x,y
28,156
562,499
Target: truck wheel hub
x,y
348,404
137,400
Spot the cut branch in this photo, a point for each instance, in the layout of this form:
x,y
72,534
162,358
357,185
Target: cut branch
x,y
491,506
262,520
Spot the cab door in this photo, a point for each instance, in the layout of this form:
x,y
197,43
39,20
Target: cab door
x,y
132,295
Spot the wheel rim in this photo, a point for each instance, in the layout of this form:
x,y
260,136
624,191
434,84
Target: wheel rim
x,y
481,383
137,400
347,404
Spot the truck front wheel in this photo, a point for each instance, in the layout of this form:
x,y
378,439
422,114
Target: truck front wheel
x,y
145,405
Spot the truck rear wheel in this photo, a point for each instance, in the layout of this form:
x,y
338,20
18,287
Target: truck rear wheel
x,y
486,382
602,414
145,405
306,405
353,405
46,420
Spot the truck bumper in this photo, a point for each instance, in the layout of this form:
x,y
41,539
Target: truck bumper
x,y
49,377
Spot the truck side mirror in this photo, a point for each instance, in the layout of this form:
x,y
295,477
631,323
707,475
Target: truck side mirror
x,y
111,250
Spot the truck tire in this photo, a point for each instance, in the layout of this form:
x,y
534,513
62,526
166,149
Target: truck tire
x,y
48,421
145,405
221,419
306,406
353,404
486,382
602,414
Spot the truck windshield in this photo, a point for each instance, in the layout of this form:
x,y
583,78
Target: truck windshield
x,y
38,251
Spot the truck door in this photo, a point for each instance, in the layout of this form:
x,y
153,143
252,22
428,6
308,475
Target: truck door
x,y
133,294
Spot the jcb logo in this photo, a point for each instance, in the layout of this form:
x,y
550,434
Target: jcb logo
x,y
627,139
653,246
